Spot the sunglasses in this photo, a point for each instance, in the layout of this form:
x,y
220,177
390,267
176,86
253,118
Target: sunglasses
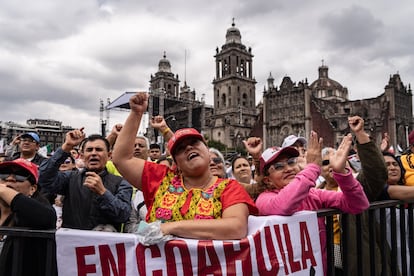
x,y
216,160
17,176
325,162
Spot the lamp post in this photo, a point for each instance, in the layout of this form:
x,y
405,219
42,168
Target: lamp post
x,y
172,117
406,136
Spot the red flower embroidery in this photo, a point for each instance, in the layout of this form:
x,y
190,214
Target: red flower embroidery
x,y
163,214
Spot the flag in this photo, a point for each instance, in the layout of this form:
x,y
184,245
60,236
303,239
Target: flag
x,y
45,150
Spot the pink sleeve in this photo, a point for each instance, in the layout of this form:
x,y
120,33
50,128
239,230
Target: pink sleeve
x,y
354,200
287,200
351,199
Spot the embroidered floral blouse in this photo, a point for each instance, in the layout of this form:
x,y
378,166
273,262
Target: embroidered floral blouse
x,y
168,200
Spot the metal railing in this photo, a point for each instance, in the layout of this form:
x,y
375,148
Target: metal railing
x,y
377,242
392,220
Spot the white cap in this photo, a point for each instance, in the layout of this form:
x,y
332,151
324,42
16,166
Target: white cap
x,y
291,139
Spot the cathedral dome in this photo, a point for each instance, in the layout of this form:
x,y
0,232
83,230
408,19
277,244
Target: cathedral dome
x,y
164,65
327,88
233,34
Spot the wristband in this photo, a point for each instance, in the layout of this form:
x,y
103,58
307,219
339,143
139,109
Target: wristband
x,y
165,131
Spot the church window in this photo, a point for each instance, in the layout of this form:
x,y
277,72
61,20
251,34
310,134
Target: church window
x,y
223,100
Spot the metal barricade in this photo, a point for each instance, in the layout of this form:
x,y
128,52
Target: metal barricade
x,y
377,242
384,221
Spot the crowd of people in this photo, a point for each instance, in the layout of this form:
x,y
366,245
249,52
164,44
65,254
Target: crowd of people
x,y
124,183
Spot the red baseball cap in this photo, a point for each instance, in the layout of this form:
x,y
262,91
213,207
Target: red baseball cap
x,y
180,134
270,155
24,164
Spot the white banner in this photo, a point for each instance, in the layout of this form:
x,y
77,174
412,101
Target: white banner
x,y
275,245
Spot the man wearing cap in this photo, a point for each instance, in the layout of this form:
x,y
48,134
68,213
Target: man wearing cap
x,y
21,205
407,161
25,146
92,195
193,204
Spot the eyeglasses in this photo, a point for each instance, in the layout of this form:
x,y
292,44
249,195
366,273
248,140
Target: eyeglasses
x,y
29,140
325,162
280,166
216,160
17,177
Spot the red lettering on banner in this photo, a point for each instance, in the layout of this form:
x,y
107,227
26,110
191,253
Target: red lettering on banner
x,y
108,261
141,259
306,244
243,255
186,265
281,248
294,265
271,252
84,268
203,267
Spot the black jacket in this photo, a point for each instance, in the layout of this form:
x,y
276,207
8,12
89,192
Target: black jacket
x,y
35,213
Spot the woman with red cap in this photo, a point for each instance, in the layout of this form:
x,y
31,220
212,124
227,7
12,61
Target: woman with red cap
x,y
289,189
21,205
192,203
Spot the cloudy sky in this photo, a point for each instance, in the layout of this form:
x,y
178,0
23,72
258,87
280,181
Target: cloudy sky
x,y
59,58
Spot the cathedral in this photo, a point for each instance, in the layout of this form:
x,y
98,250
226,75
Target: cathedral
x,y
297,108
289,108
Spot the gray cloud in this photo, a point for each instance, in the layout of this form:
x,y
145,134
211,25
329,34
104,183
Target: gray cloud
x,y
57,59
352,28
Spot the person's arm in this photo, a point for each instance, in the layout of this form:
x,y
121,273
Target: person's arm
x,y
13,147
401,192
50,179
29,211
254,147
232,225
113,135
373,174
287,200
129,166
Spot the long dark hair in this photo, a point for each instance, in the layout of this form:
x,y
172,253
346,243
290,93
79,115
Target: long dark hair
x,y
386,153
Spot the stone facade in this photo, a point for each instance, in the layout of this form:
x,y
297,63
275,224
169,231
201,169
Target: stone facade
x,y
234,93
51,132
324,106
178,105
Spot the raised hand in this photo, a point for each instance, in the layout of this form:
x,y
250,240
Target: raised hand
x,y
139,102
313,154
158,122
356,124
254,146
385,143
338,160
73,138
116,129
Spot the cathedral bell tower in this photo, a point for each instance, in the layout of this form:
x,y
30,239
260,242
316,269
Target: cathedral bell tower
x,y
234,92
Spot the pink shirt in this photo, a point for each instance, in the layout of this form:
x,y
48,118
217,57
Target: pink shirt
x,y
301,194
